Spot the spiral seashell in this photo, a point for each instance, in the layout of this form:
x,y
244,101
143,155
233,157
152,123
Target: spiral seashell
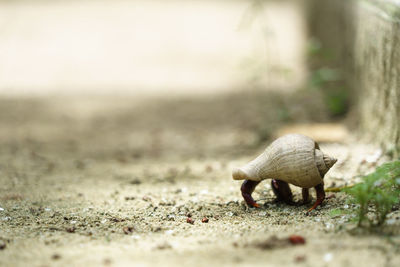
x,y
293,158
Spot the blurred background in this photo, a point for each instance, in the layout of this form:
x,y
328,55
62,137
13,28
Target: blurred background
x,y
65,47
131,77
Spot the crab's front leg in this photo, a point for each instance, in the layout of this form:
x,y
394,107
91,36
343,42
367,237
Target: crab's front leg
x,y
247,189
320,196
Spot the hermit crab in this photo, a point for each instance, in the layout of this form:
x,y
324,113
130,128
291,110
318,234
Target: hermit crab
x,y
291,159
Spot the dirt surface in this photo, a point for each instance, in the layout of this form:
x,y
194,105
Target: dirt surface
x,y
96,181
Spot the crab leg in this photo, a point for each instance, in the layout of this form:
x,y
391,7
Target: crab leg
x,y
247,188
320,196
306,195
282,191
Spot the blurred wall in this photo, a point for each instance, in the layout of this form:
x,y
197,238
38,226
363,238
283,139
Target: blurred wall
x,y
364,38
330,52
149,46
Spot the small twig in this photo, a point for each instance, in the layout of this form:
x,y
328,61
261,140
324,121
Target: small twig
x,y
338,189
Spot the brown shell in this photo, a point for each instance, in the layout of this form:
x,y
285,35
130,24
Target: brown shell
x,y
293,158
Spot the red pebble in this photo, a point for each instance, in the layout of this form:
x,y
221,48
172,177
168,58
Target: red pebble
x,y
296,239
204,220
190,220
300,258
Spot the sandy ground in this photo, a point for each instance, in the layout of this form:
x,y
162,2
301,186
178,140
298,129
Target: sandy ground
x,y
111,181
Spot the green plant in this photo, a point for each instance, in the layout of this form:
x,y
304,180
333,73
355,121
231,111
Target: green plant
x,y
379,192
326,77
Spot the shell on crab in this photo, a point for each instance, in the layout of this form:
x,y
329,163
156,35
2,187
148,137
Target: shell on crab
x,y
293,158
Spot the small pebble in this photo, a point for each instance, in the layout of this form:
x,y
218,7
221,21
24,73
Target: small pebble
x,y
209,169
262,213
190,220
374,157
1,209
156,229
300,258
56,256
204,192
169,232
136,237
70,229
296,239
107,261
328,257
390,221
146,198
128,229
2,245
177,191
204,220
329,226
171,217
135,182
164,246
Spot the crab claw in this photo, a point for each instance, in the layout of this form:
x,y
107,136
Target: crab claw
x,y
247,188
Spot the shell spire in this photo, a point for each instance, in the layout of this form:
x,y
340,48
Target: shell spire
x,y
329,161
